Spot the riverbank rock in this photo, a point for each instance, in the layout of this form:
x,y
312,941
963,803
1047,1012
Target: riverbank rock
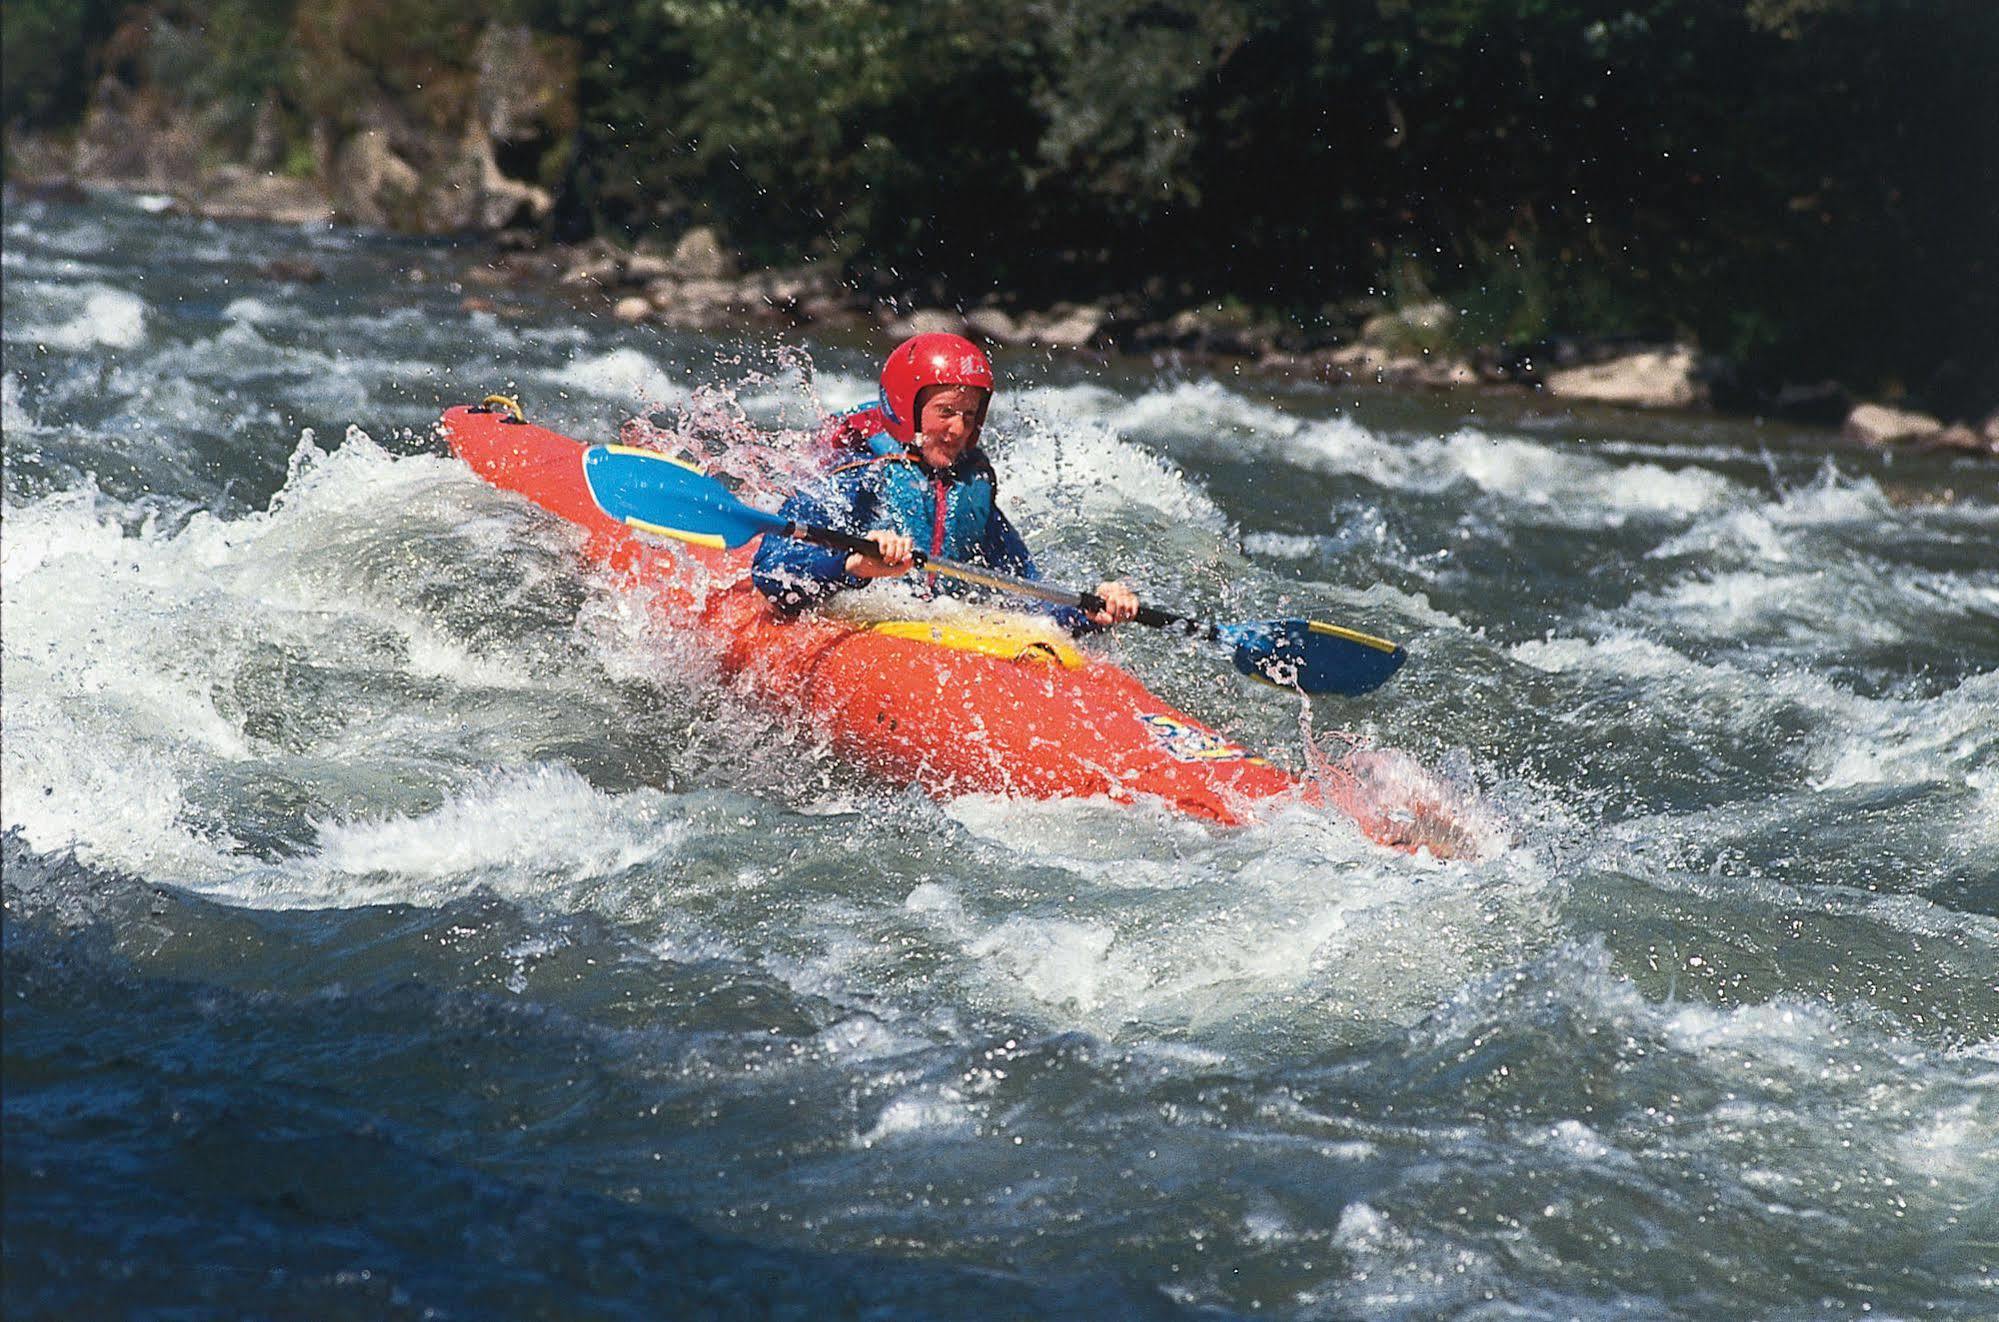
x,y
1064,326
1877,424
1217,331
237,192
1409,332
1665,378
1372,363
924,321
1880,425
993,325
700,255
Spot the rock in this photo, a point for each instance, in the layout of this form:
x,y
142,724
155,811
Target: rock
x,y
993,325
231,192
790,293
644,268
925,321
1443,372
1990,431
831,309
694,303
297,270
1065,326
1352,362
1207,331
631,308
498,202
602,272
373,185
700,256
1650,379
1369,362
1418,326
1877,424
1959,437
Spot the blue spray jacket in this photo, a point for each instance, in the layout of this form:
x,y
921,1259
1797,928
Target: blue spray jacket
x,y
953,514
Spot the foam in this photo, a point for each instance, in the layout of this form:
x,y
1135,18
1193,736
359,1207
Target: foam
x,y
623,374
109,318
1060,460
1282,546
1554,483
253,311
937,1112
172,616
1621,653
544,819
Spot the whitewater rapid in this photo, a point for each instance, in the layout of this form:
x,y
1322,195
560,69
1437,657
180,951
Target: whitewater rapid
x,y
350,814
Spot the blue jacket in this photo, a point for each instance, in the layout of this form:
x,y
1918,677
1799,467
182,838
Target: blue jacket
x,y
953,514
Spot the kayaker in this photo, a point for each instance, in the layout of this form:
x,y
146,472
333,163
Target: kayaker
x,y
907,471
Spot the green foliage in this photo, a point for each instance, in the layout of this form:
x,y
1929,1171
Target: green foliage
x,y
44,59
1807,184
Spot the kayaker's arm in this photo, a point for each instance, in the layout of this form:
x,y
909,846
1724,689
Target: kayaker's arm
x,y
797,574
1004,549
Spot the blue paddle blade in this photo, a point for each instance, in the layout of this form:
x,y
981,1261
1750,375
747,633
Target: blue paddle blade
x,y
648,490
1312,656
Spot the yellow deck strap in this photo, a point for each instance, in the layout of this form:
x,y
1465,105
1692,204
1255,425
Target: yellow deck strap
x,y
1024,643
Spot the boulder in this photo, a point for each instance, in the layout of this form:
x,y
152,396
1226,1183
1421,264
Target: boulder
x,y
1877,424
792,291
1650,379
292,270
925,321
1369,362
497,202
643,268
993,325
631,308
232,192
1065,326
700,256
372,185
1958,437
1207,330
603,272
1417,326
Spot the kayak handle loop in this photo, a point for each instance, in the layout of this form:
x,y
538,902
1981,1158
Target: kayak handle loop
x,y
506,404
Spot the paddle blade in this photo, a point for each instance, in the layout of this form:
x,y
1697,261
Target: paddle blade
x,y
648,490
1315,657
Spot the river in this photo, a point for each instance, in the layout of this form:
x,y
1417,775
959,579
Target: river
x,y
399,925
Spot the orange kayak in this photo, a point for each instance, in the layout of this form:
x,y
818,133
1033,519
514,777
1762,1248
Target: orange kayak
x,y
956,709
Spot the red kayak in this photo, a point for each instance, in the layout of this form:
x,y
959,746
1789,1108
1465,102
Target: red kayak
x,y
1011,709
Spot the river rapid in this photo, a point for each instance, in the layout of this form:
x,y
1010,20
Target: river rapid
x,y
402,922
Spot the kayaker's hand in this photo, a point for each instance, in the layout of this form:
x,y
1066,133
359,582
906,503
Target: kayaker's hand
x,y
1120,604
894,554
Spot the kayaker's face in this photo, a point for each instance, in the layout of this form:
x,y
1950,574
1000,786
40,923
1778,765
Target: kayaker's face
x,y
947,423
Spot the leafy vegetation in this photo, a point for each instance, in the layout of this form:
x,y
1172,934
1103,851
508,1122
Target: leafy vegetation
x,y
1807,186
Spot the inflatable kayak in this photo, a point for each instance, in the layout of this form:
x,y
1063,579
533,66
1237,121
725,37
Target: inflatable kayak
x,y
1005,706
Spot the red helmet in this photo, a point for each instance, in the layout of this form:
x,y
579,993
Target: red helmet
x,y
935,359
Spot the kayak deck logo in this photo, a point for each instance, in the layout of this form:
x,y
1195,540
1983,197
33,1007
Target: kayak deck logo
x,y
1190,743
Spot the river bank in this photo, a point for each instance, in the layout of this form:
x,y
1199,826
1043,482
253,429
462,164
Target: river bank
x,y
697,282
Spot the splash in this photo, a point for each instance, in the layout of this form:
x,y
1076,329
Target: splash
x,y
1397,801
752,425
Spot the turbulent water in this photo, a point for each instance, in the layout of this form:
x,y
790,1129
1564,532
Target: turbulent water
x,y
401,922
